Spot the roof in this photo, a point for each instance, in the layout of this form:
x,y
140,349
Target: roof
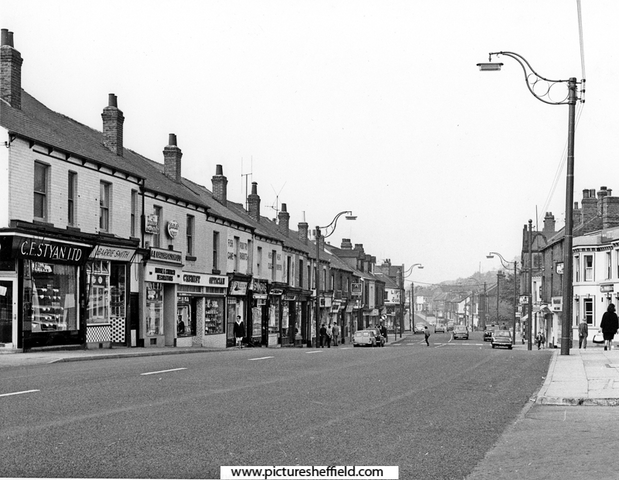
x,y
36,122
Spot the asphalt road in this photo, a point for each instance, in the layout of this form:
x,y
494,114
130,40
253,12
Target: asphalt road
x,y
434,411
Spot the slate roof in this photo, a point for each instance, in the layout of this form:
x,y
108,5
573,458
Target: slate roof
x,y
36,122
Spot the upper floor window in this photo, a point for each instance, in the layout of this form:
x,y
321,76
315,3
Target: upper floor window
x,y
190,234
273,264
41,173
215,250
71,197
301,273
104,206
588,259
259,261
134,212
288,270
237,242
157,234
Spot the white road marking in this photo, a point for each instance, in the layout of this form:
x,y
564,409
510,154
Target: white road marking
x,y
259,358
314,351
18,393
163,371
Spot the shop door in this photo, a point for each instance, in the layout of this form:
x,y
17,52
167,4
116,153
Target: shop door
x,y
7,311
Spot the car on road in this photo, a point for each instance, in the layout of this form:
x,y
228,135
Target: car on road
x,y
440,328
450,326
460,331
488,335
380,340
364,338
420,327
502,338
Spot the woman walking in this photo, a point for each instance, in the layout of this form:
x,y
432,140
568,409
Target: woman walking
x,y
609,325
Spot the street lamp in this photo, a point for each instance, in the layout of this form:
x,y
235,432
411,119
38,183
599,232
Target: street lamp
x,y
332,226
506,264
405,275
533,81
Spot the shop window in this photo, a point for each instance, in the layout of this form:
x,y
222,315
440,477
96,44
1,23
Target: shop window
x,y
588,310
214,316
50,296
41,173
154,308
118,290
98,285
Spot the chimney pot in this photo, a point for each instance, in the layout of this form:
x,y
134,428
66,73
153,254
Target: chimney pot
x,y
172,159
220,185
172,139
10,70
4,37
253,202
113,120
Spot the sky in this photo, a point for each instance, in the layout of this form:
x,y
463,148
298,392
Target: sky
x,y
376,107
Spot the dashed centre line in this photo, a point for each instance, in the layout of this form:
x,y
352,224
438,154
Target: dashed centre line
x,y
259,358
18,393
164,371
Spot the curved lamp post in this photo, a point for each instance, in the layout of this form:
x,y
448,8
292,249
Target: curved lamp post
x,y
506,264
405,275
540,87
332,226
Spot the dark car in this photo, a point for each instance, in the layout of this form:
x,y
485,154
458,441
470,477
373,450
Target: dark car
x,y
488,335
502,338
460,331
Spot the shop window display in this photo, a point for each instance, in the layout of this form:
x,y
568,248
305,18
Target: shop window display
x,y
50,298
154,308
98,297
214,316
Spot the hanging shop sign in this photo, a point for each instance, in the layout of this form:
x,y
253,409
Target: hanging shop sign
x,y
152,224
355,289
173,228
238,288
609,287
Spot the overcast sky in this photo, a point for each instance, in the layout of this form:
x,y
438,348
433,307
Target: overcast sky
x,y
371,106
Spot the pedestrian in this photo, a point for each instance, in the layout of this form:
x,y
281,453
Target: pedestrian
x,y
323,335
383,332
426,334
539,339
239,331
329,335
336,334
609,325
583,332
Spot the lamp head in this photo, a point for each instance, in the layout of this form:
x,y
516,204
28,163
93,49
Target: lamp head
x,y
351,217
489,66
489,256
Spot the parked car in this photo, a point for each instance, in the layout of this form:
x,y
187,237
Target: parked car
x,y
380,340
364,338
460,331
450,326
488,334
420,327
502,338
440,328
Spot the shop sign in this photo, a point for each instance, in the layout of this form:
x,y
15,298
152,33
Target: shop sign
x,y
204,280
259,287
557,304
355,289
162,274
165,255
238,288
112,253
609,287
290,298
152,223
49,251
173,228
276,291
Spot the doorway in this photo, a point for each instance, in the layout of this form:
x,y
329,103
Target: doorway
x,y
8,323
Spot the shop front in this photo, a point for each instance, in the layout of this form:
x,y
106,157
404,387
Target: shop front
x,y
107,274
162,275
44,276
276,293
258,326
236,306
200,310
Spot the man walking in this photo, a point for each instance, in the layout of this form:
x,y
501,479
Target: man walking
x,y
426,334
583,332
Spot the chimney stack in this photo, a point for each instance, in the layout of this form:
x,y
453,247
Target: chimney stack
x,y
253,202
589,206
113,120
346,244
172,159
220,185
283,218
303,232
549,224
610,211
10,70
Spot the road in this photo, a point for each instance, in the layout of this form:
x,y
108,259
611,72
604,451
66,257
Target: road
x,y
434,411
